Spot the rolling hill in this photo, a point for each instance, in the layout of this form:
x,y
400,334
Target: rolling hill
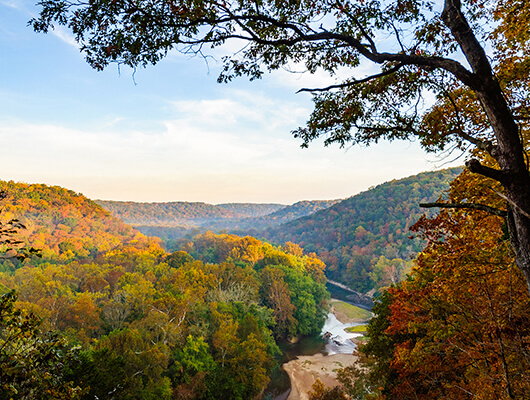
x,y
65,225
174,220
365,240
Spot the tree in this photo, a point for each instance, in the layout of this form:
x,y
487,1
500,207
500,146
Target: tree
x,y
472,55
320,392
32,363
12,247
458,327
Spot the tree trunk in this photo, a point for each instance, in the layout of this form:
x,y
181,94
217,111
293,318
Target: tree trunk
x,y
508,151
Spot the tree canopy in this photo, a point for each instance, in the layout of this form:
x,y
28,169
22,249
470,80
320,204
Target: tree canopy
x,y
471,55
459,327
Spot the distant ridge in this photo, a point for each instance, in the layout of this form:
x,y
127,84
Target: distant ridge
x,y
364,240
185,215
252,210
165,214
353,235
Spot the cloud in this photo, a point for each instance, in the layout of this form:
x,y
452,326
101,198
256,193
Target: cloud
x,y
237,147
186,162
16,4
241,110
65,35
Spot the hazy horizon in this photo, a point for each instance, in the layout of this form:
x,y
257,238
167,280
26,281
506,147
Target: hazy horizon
x,y
170,132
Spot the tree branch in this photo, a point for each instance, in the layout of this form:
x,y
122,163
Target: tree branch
x,y
354,82
368,52
467,206
476,167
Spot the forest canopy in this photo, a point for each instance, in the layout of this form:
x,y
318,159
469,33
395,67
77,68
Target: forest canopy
x,y
472,56
107,310
459,326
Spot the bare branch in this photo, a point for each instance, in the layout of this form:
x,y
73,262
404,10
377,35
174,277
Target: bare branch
x,y
397,37
466,206
354,82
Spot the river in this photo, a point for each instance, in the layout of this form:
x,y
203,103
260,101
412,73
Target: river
x,y
338,343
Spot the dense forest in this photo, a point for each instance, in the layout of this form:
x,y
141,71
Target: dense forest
x,y
175,220
105,311
459,326
365,240
167,214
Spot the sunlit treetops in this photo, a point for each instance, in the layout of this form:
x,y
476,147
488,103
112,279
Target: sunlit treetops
x,y
65,225
365,240
204,320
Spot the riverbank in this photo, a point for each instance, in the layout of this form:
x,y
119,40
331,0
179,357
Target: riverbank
x,y
305,370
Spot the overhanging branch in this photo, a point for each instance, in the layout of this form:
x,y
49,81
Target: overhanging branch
x,y
476,167
467,206
354,82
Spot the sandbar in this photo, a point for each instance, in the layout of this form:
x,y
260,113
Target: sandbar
x,y
305,370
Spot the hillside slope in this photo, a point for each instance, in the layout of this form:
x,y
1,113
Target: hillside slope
x,y
281,216
166,214
251,210
174,220
65,225
364,240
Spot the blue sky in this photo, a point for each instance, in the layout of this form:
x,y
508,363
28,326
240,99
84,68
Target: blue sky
x,y
169,132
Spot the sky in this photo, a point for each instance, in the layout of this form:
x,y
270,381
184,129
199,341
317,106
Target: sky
x,y
170,132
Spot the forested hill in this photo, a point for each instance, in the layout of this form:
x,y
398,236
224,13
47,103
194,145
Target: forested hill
x,y
65,225
251,210
281,216
166,214
176,219
365,240
299,209
107,310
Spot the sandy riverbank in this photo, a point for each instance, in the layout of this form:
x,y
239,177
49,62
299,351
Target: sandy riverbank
x,y
305,370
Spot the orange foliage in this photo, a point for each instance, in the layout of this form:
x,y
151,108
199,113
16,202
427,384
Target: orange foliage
x,y
462,323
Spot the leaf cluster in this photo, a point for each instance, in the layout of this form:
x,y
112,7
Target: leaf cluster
x,y
458,328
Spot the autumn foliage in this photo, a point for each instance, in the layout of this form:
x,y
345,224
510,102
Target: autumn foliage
x,y
202,322
459,327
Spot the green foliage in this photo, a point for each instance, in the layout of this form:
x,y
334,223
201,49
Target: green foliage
x,y
353,235
192,324
31,362
192,359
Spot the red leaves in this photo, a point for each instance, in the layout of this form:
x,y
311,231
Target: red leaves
x,y
461,324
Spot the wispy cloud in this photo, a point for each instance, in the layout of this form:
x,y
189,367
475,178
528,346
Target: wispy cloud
x,y
18,5
215,151
65,36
